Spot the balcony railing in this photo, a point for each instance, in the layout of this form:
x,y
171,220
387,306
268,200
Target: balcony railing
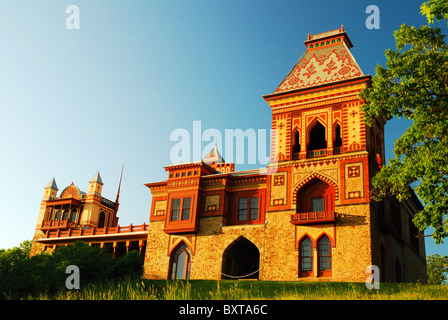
x,y
317,153
96,231
313,217
58,224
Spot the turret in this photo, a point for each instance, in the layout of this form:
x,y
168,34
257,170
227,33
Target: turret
x,y
96,184
50,190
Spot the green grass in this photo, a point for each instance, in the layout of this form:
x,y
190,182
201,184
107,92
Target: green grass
x,y
136,289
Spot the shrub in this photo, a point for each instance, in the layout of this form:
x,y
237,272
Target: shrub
x,y
129,265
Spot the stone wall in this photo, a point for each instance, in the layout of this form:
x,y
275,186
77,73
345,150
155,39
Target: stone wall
x,y
277,242
157,261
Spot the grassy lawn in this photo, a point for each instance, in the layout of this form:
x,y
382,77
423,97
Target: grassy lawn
x,y
244,290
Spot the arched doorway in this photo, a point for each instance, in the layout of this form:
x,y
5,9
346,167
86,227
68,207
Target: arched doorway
x,y
241,260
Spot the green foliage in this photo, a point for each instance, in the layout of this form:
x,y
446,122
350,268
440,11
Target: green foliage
x,y
414,85
131,264
94,264
44,274
437,269
437,9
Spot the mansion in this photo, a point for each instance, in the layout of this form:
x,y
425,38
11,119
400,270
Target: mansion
x,y
307,216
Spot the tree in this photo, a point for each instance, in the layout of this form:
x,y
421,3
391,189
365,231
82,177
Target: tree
x,y
437,269
94,264
414,85
129,265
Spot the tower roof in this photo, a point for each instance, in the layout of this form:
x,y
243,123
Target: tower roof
x,y
52,185
327,59
213,156
96,178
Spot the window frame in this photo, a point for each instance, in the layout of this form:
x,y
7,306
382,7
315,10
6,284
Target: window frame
x,y
174,263
181,215
320,271
248,210
258,209
307,272
312,198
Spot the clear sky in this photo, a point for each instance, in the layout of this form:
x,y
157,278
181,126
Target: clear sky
x,y
74,102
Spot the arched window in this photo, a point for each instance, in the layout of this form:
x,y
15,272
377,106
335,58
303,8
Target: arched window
x,y
57,215
315,196
181,263
337,143
101,220
296,143
324,249
65,215
73,215
317,138
306,257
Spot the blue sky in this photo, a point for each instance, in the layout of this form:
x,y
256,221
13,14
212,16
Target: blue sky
x,y
76,101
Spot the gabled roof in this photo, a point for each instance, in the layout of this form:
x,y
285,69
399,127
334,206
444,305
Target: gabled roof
x,y
327,59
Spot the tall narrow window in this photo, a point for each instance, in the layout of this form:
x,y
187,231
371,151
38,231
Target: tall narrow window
x,y
57,215
324,256
296,148
73,215
253,208
186,206
306,257
101,220
181,263
337,144
242,209
317,137
175,208
248,209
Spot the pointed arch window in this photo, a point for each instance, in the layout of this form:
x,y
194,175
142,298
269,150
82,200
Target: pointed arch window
x,y
306,258
337,143
315,196
181,263
101,220
324,249
65,215
73,215
296,144
317,140
57,215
